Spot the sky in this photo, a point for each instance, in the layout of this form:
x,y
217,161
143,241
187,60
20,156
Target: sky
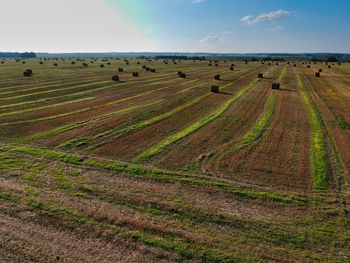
x,y
220,26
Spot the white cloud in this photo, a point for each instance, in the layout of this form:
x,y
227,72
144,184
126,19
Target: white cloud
x,y
210,39
264,17
66,25
197,1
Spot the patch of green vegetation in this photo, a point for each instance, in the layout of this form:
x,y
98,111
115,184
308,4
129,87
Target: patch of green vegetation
x,y
181,246
158,174
8,162
319,158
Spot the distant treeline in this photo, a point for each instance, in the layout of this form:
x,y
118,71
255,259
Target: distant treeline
x,y
169,57
17,55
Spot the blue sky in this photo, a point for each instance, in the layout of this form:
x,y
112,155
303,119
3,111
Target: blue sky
x,y
215,25
176,25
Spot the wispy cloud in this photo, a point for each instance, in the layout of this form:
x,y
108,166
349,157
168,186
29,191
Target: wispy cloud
x,y
210,39
274,29
197,1
264,17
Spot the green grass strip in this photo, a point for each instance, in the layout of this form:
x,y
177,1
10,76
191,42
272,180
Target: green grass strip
x,y
88,108
257,131
45,107
155,149
48,86
319,160
77,125
53,90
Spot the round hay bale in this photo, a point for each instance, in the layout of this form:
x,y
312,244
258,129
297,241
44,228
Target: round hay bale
x,y
28,73
135,74
215,89
276,85
115,78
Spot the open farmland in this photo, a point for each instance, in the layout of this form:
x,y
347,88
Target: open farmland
x,y
159,168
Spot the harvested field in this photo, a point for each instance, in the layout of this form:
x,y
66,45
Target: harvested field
x,y
158,168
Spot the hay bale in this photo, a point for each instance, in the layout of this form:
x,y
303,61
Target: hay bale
x,y
85,64
320,70
144,66
115,78
216,65
209,65
135,74
2,62
308,66
183,75
329,66
215,89
55,65
217,77
294,65
260,75
102,66
28,73
232,68
120,70
153,70
41,63
276,85
73,62
317,74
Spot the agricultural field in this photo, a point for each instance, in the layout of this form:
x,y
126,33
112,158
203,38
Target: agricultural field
x,y
157,168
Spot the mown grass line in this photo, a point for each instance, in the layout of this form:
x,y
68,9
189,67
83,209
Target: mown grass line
x,y
184,247
72,126
319,156
157,148
85,140
112,132
45,107
72,95
339,168
155,174
48,86
88,108
54,90
261,125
